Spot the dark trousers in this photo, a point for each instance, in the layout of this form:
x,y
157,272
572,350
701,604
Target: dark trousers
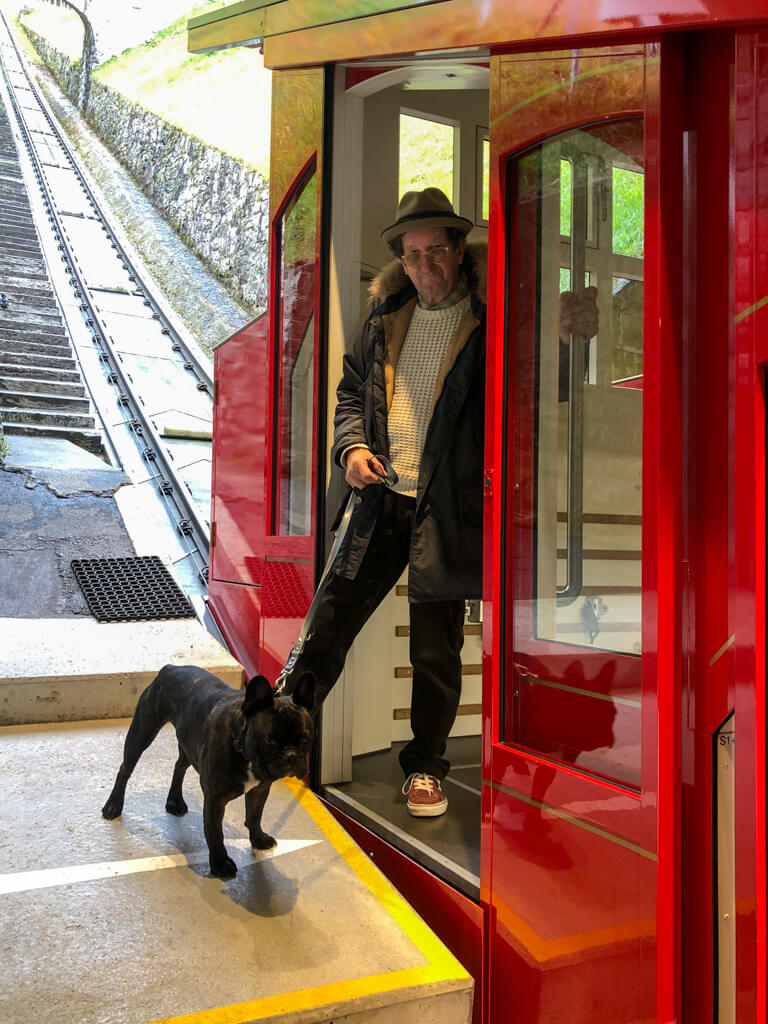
x,y
436,637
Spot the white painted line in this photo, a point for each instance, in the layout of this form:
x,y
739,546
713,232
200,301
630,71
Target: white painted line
x,y
462,785
24,881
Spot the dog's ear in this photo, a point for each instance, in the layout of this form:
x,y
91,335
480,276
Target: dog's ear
x,y
258,696
304,692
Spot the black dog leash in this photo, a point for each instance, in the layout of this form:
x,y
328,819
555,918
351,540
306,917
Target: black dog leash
x,y
389,480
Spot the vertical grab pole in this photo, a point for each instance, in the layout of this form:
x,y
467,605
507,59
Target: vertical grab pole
x,y
575,479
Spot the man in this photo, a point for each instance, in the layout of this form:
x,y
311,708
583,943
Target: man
x,y
411,393
411,399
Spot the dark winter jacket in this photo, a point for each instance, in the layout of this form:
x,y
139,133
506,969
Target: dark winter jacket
x,y
446,544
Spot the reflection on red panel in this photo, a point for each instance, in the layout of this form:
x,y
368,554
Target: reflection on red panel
x,y
574,916
748,544
586,714
239,488
239,443
237,610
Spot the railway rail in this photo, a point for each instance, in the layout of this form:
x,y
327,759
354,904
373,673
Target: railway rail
x,y
149,383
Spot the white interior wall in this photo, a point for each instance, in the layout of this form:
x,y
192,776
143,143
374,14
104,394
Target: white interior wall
x,y
381,128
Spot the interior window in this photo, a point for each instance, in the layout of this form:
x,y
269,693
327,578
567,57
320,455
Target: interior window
x,y
295,362
573,692
428,148
482,177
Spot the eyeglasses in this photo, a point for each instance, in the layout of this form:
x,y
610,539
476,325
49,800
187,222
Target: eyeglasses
x,y
435,254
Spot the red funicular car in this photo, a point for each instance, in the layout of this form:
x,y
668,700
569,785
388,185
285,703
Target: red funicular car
x,y
603,858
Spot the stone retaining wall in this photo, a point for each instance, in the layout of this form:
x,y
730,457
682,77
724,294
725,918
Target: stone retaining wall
x,y
218,206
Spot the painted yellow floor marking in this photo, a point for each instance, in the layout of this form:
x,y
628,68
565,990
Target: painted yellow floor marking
x,y
440,965
45,878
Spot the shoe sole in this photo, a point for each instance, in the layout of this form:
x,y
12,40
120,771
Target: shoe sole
x,y
426,812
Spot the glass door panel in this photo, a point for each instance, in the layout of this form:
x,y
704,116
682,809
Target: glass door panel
x,y
574,689
295,191
294,363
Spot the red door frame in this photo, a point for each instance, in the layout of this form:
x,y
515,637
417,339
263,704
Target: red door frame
x,y
748,487
653,826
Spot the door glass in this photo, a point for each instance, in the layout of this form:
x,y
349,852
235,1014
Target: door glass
x,y
295,364
577,209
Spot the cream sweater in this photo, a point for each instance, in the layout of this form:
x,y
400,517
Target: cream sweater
x,y
429,334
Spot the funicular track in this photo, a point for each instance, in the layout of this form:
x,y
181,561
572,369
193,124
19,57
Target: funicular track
x,y
159,389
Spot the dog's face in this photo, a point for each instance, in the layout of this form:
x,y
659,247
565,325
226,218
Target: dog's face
x,y
278,732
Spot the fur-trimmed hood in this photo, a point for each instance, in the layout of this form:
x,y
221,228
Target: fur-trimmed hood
x,y
391,279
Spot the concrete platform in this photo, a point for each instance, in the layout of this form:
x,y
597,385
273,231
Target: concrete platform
x,y
65,670
63,467
118,922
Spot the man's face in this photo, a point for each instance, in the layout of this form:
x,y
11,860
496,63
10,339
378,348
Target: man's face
x,y
433,281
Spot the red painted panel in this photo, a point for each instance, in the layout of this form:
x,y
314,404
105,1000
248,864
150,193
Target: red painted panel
x,y
708,71
525,23
748,551
574,913
237,611
571,870
239,455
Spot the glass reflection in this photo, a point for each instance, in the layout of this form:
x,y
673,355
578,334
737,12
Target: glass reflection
x,y
292,490
578,201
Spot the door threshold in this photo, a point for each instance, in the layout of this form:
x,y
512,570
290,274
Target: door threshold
x,y
420,852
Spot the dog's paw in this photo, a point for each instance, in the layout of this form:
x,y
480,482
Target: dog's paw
x,y
112,809
224,867
177,807
263,841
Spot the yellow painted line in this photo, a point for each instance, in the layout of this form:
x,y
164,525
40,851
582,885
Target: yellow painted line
x,y
750,309
587,826
440,964
592,73
718,654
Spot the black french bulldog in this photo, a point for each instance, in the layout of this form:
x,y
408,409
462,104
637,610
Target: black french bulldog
x,y
238,744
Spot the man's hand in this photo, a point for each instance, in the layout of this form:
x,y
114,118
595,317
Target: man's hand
x,y
359,472
578,313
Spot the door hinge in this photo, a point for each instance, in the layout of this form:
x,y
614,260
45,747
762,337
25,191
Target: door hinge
x,y
488,483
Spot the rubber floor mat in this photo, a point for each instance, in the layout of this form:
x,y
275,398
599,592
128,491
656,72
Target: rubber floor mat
x,y
130,589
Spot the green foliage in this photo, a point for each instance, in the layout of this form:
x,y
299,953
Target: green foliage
x,y
426,155
566,177
628,208
628,212
299,227
221,98
486,207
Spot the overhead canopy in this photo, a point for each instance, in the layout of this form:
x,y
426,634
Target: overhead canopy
x,y
298,33
251,22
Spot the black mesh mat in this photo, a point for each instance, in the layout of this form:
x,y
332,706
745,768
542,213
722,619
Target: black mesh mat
x,y
130,589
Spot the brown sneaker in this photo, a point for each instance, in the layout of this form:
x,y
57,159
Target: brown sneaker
x,y
426,798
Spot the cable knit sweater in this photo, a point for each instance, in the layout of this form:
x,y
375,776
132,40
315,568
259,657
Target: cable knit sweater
x,y
429,334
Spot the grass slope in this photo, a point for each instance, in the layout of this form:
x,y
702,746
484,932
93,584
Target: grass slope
x,y
222,98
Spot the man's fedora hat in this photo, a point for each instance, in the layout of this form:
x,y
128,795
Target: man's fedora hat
x,y
428,209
